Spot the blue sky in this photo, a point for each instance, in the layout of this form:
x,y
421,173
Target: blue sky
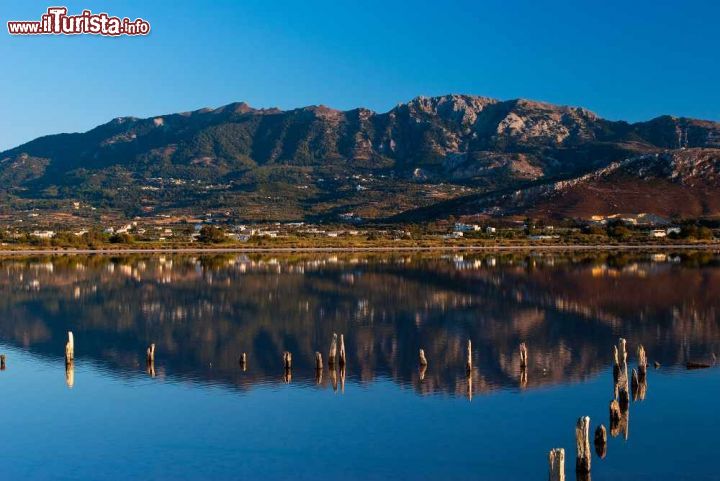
x,y
624,60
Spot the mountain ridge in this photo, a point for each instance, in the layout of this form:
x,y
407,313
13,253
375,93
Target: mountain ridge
x,y
316,162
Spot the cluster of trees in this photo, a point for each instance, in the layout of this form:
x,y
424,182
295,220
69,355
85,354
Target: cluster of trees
x,y
211,235
621,231
90,239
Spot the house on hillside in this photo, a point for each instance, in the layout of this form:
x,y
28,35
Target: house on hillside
x,y
43,234
658,233
460,227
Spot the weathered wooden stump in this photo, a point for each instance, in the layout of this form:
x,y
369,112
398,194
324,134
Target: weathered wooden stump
x,y
151,354
342,380
623,398
243,361
622,351
614,412
523,356
318,361
601,441
334,379
523,378
634,382
287,360
318,376
641,391
423,359
333,351
468,362
616,364
287,376
69,374
582,444
642,361
2,362
342,350
556,462
422,370
70,348
469,385
657,365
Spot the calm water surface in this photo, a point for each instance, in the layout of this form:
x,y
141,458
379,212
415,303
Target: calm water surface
x,y
199,415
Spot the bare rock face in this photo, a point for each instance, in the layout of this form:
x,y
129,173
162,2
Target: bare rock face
x,y
680,183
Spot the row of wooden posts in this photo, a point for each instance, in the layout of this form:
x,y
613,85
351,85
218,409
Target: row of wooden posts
x,y
619,407
336,356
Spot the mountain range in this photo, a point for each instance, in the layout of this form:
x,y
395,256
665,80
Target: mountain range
x,y
426,159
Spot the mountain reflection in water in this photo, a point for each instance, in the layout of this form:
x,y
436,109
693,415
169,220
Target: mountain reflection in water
x,y
204,311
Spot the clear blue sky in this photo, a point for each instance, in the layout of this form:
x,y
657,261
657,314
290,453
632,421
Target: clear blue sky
x,y
624,60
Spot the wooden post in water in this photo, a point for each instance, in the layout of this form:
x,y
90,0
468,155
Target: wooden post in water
x,y
614,411
69,374
243,361
641,389
582,443
635,384
616,418
622,350
469,385
423,359
2,362
333,379
601,441
642,361
342,351
616,364
287,360
523,356
150,358
623,398
622,353
318,368
70,348
469,363
333,351
556,462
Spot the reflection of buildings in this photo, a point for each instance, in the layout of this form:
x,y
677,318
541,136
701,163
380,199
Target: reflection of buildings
x,y
208,310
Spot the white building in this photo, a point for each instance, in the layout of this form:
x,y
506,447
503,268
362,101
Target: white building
x,y
460,227
44,234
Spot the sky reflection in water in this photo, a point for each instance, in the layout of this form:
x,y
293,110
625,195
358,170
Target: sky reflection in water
x,y
202,417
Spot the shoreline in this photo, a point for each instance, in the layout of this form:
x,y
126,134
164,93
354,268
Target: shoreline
x,y
255,250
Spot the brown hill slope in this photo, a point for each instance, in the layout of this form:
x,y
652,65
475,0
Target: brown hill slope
x,y
679,183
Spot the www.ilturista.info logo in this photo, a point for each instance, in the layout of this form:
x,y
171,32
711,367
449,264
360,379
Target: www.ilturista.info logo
x,y
57,22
